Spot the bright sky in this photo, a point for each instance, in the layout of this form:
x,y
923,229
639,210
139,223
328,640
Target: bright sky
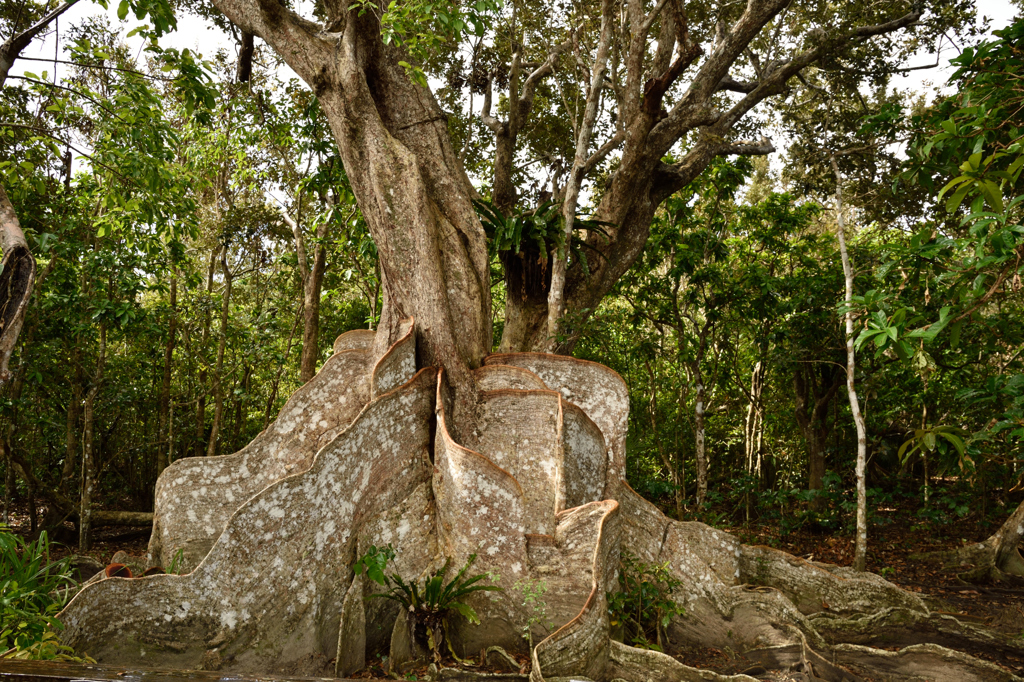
x,y
197,34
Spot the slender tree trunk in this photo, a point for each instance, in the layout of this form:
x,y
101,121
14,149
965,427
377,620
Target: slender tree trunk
x,y
163,458
236,425
280,370
752,425
663,452
861,547
218,372
8,479
7,432
74,416
700,404
201,402
170,435
698,427
556,295
312,286
812,401
680,450
89,447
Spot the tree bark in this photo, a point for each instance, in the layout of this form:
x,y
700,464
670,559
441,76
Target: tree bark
x,y
700,404
74,416
89,447
246,49
163,458
556,297
200,437
698,427
218,372
16,279
813,397
753,424
312,286
861,546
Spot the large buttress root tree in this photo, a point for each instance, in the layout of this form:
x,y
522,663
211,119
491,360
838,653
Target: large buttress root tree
x,y
540,496
414,436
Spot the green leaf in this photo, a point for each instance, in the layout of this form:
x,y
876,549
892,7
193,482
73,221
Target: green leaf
x,y
954,334
122,10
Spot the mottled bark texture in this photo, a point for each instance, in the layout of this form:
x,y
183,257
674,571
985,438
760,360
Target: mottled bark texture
x,y
518,458
540,496
16,278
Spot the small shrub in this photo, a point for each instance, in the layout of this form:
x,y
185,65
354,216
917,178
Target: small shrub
x,y
533,598
644,606
32,592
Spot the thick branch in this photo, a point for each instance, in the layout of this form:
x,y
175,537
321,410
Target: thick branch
x,y
13,46
732,85
300,42
245,53
485,111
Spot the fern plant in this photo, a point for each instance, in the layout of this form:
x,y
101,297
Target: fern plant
x,y
428,605
540,229
32,591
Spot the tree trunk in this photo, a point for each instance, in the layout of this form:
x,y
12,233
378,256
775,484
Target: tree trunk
x,y
5,450
74,416
312,286
163,458
17,274
813,396
218,372
698,427
89,470
861,547
407,181
272,398
200,442
700,404
671,467
556,298
753,424
236,423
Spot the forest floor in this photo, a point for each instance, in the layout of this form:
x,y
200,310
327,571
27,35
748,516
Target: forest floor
x,y
897,532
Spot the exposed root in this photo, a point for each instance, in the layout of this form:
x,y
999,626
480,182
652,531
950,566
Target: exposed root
x,y
629,663
540,496
997,559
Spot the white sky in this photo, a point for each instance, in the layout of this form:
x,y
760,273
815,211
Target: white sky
x,y
199,35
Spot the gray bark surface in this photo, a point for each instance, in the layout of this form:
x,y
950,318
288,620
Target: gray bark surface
x,y
541,495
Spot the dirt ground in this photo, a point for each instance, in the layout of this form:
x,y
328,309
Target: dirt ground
x,y
896,534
